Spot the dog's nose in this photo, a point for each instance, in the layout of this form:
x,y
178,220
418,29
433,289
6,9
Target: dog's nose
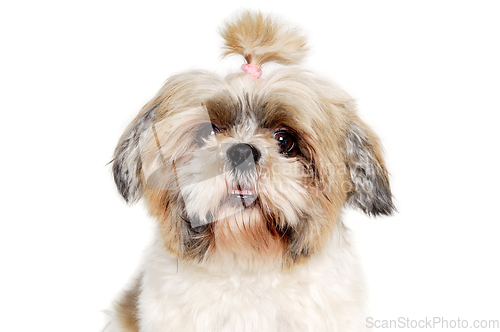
x,y
243,156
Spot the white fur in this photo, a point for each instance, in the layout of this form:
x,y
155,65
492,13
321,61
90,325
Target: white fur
x,y
324,294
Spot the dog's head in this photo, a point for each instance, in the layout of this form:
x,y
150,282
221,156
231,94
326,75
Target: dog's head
x,y
251,169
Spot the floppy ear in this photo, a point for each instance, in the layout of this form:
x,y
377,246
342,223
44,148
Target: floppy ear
x,y
370,189
127,163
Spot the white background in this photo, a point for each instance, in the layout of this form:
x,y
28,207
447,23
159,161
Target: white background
x,y
75,73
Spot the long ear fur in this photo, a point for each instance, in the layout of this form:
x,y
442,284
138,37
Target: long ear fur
x,y
371,191
127,163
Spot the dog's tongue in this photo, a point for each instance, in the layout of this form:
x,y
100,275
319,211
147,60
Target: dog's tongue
x,y
242,192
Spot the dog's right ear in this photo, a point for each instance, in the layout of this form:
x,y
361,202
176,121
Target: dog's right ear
x,y
127,165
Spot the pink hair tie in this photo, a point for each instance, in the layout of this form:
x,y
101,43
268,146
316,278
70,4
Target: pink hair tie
x,y
252,70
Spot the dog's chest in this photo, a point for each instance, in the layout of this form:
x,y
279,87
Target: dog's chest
x,y
187,301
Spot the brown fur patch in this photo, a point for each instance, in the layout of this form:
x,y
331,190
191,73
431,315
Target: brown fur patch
x,y
223,111
126,308
162,206
247,234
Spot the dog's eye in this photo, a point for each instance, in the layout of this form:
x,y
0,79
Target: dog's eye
x,y
286,141
206,131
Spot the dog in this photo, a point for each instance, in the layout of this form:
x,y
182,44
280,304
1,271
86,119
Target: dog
x,y
247,177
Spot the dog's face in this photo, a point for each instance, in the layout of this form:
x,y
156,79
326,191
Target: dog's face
x,y
250,171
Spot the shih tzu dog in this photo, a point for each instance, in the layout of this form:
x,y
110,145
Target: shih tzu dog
x,y
247,177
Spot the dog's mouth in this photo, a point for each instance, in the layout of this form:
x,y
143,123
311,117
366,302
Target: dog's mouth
x,y
247,196
243,192
242,189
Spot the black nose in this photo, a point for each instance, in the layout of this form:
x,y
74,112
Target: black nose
x,y
243,156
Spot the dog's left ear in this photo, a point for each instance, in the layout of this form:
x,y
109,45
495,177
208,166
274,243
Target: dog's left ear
x,y
370,189
127,165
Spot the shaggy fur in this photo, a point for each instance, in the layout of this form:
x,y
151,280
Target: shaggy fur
x,y
261,39
247,179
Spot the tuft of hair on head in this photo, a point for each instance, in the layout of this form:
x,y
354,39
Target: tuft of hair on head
x,y
261,38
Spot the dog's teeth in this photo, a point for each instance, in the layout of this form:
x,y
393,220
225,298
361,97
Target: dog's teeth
x,y
241,192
